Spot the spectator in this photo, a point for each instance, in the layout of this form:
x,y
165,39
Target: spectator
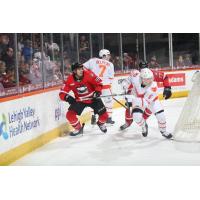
x,y
187,61
27,51
8,80
4,43
117,63
36,71
2,68
84,44
153,63
180,62
128,62
67,67
57,75
20,44
2,74
8,58
48,66
56,55
84,49
52,46
52,50
24,69
24,74
20,58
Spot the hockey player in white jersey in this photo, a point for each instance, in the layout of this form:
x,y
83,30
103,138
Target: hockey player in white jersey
x,y
103,68
145,96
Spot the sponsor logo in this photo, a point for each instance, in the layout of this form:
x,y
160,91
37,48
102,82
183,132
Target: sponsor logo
x,y
58,113
177,79
19,121
3,128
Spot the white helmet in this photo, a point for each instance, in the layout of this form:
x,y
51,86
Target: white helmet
x,y
146,76
104,52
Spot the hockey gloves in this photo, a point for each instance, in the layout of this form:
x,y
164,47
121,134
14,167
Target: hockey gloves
x,y
70,99
96,94
167,93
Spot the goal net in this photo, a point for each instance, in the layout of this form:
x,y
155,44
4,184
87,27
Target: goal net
x,y
188,125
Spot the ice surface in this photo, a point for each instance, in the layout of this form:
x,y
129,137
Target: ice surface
x,y
119,148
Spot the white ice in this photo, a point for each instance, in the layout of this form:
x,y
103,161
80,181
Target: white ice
x,y
119,148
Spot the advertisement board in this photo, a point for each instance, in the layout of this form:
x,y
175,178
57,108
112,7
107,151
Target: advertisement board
x,y
26,118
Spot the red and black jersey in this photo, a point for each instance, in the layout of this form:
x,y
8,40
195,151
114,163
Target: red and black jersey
x,y
83,88
161,77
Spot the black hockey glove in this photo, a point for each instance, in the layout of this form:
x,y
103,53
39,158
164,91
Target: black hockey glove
x,y
70,99
96,94
128,104
167,93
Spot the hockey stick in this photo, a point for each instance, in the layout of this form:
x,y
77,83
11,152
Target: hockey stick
x,y
111,95
120,103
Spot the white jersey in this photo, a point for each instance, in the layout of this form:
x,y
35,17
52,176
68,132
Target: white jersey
x,y
102,68
149,93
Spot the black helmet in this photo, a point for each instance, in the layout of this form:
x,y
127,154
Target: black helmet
x,y
76,66
143,64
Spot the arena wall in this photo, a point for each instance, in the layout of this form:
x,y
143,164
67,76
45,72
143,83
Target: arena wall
x,y
30,121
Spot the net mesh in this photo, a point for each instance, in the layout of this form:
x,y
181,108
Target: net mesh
x,y
188,124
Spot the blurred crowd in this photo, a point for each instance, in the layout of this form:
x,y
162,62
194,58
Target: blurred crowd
x,y
30,63
49,64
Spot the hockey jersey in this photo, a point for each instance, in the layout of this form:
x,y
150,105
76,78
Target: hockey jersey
x,y
102,68
83,88
158,77
161,77
149,93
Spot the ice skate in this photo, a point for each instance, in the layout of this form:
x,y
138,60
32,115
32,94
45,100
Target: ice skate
x,y
124,126
166,135
110,121
77,132
102,127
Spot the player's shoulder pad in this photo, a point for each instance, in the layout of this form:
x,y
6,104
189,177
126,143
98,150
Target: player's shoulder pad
x,y
92,59
88,61
93,76
69,79
89,73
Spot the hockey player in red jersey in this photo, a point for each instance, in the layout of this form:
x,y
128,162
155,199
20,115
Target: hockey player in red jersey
x,y
158,77
86,87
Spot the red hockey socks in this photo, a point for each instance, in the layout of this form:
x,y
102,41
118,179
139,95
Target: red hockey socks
x,y
103,118
73,120
147,114
128,117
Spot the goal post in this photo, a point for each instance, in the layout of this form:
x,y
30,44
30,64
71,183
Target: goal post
x,y
188,125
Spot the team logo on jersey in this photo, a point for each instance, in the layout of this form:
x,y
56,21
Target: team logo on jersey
x,y
154,89
82,89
